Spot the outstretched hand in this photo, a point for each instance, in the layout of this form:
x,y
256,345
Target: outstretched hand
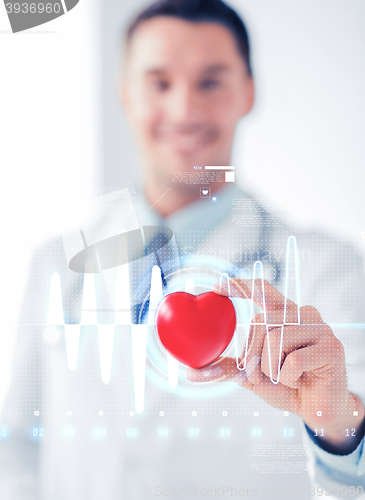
x,y
311,369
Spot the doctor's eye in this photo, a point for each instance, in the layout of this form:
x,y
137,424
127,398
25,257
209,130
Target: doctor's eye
x,y
160,85
209,84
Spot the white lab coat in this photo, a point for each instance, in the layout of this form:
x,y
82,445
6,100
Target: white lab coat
x,y
74,460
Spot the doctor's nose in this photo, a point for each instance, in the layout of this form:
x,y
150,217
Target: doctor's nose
x,y
184,105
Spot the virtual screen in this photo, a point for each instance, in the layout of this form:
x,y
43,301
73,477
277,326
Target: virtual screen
x,y
193,324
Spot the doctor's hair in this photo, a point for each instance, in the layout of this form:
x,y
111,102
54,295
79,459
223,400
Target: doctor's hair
x,y
198,11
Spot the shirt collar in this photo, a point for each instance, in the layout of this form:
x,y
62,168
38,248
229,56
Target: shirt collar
x,y
200,215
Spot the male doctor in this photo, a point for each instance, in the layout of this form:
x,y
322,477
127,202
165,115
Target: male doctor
x,y
187,82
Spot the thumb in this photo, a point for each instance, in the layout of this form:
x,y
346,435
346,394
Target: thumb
x,y
222,370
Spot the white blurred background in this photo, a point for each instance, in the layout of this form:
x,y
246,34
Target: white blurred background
x,y
62,131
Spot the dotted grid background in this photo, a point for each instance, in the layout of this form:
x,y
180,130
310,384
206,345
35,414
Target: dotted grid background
x,y
331,280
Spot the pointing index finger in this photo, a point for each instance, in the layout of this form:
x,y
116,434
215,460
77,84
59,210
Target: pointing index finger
x,y
262,292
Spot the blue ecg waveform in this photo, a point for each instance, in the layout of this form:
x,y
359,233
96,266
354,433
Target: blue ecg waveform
x,y
139,332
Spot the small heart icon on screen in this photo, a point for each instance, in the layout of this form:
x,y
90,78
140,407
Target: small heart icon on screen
x,y
205,191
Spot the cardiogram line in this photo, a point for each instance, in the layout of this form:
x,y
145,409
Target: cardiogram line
x,y
106,333
258,270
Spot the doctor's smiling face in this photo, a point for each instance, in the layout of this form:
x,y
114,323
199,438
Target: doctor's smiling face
x,y
185,87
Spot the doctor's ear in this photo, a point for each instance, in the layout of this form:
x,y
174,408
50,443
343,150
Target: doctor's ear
x,y
248,96
123,92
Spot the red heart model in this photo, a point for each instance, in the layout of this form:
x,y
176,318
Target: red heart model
x,y
195,329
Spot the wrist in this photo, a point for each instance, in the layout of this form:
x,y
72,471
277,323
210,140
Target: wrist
x,y
343,434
